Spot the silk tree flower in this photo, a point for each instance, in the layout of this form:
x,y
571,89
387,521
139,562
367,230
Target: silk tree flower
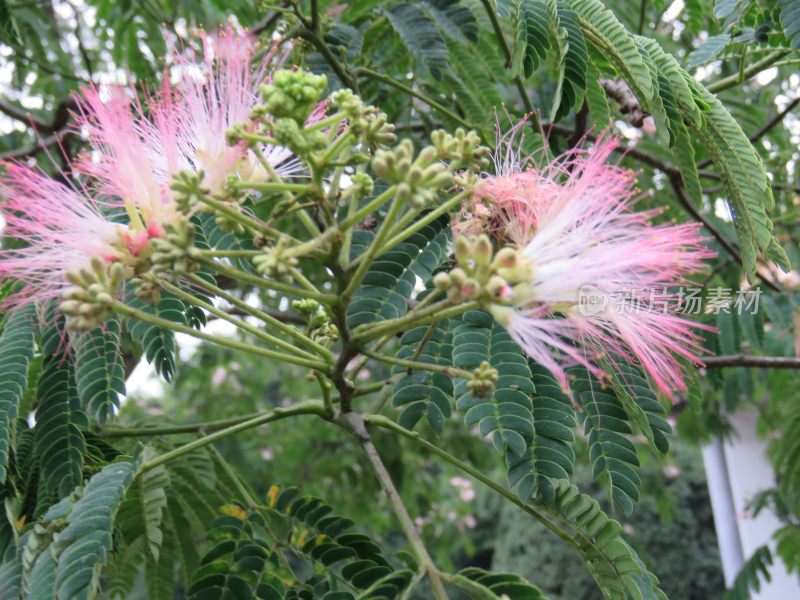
x,y
63,229
132,159
137,150
600,273
218,92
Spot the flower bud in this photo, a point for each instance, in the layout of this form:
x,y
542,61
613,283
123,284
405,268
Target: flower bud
x,y
442,281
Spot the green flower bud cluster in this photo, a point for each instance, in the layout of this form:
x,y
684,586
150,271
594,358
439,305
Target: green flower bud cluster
x,y
482,274
463,148
288,132
418,181
173,252
189,190
275,263
88,302
292,94
366,122
320,326
483,380
361,186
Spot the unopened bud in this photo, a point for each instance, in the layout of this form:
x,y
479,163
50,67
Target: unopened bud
x,y
442,281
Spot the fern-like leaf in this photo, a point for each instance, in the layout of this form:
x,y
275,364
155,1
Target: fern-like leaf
x,y
613,456
158,344
790,21
60,445
617,570
420,35
16,352
530,427
99,372
422,392
604,30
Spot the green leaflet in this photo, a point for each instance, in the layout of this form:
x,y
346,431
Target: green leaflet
x,y
69,567
708,50
749,188
99,372
617,570
158,344
538,30
420,36
790,21
613,456
529,427
141,514
487,585
454,20
641,405
750,575
596,97
602,29
325,538
421,393
390,280
572,66
60,446
16,352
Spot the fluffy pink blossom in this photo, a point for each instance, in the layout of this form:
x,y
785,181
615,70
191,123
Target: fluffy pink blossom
x,y
219,90
603,277
61,227
132,159
136,150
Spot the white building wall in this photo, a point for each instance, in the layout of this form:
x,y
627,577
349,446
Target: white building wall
x,y
736,470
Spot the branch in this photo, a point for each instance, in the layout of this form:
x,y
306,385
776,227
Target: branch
x,y
744,360
312,407
37,146
750,71
354,423
207,426
20,114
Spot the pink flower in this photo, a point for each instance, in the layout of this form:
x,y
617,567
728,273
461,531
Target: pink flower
x,y
133,159
61,227
219,90
602,275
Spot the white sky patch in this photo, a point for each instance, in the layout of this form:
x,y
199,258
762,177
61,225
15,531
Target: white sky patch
x,y
767,76
673,11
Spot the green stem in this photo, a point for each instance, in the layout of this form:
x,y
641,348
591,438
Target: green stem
x,y
243,325
372,251
235,479
274,186
129,311
421,366
351,220
437,312
244,277
311,407
355,424
267,318
412,92
230,253
119,432
387,423
419,224
750,71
